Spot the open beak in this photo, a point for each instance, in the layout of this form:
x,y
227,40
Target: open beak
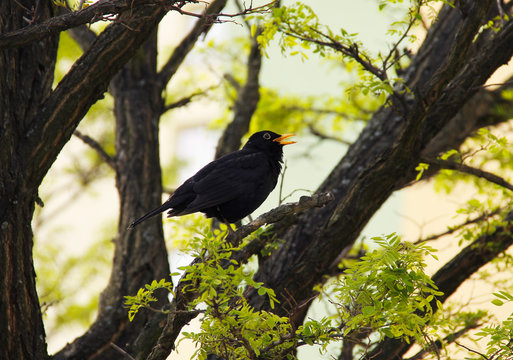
x,y
282,138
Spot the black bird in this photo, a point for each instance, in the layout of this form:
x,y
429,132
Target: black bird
x,y
233,186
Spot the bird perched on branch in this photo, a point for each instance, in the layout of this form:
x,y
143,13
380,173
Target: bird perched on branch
x,y
233,186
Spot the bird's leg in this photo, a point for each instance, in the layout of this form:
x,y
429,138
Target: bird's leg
x,y
230,230
224,221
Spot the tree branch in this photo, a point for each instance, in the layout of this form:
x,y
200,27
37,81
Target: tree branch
x,y
246,103
451,338
202,26
273,216
83,85
95,145
186,100
323,136
451,165
452,229
54,25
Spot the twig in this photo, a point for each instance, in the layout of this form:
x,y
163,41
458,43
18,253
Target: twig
x,y
323,136
500,10
321,111
396,45
451,165
95,145
187,99
214,17
282,180
350,51
457,227
471,350
120,350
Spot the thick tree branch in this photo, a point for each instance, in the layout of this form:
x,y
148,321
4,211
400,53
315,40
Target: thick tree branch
x,y
82,86
178,316
54,25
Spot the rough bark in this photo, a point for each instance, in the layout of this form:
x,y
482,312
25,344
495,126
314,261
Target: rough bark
x,y
25,81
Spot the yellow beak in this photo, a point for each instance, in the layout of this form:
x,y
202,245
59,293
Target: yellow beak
x,y
282,138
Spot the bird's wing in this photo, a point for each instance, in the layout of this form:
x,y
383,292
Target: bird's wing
x,y
227,178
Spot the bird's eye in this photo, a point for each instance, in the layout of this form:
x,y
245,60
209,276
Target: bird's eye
x,y
267,136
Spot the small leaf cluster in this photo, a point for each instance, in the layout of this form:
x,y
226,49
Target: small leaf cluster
x,y
145,296
500,336
388,292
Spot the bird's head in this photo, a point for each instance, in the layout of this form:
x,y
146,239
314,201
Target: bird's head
x,y
268,141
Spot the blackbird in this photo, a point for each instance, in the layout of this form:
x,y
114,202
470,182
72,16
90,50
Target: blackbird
x,y
233,186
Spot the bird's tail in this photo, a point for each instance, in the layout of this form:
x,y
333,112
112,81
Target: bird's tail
x,y
152,213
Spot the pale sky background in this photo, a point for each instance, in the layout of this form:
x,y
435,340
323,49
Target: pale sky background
x,y
95,211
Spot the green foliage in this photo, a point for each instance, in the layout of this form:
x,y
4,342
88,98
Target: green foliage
x,y
500,336
230,327
387,291
145,296
489,202
299,32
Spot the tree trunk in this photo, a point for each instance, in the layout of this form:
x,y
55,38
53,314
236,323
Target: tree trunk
x,y
26,80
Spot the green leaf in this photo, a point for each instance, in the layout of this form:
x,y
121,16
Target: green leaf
x,y
368,310
497,302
